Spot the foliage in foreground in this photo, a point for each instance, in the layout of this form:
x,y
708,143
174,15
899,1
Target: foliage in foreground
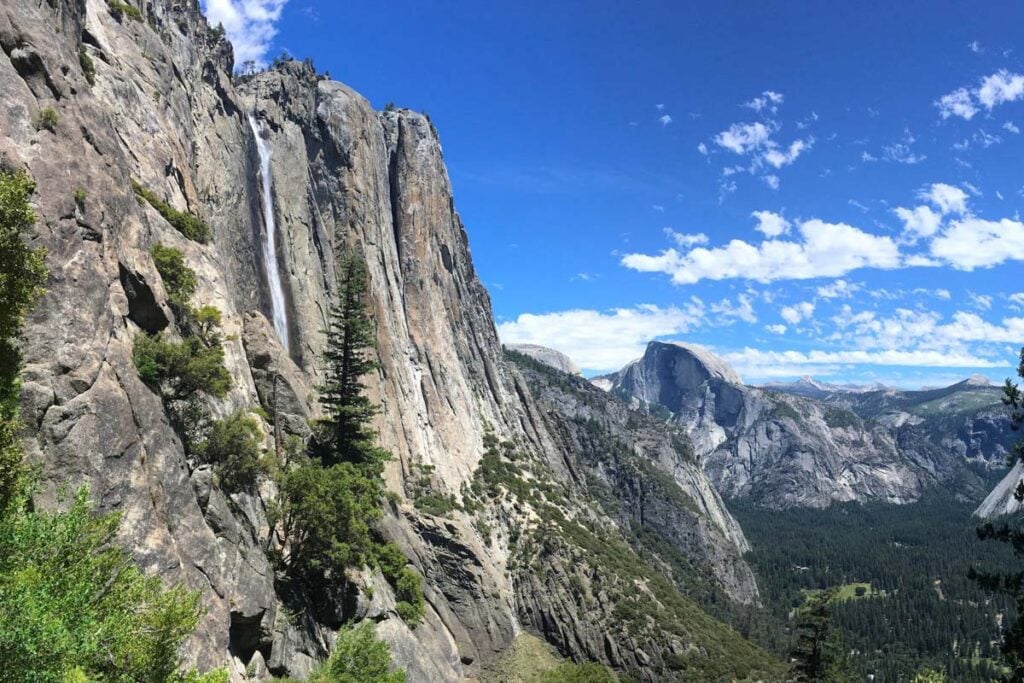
x,y
70,599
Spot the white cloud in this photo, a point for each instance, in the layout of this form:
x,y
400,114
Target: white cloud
x,y
980,301
840,289
943,294
685,240
249,24
665,119
971,242
770,224
957,103
703,149
743,309
659,107
902,152
823,250
601,341
742,138
776,329
798,312
1000,87
994,89
749,361
920,221
768,100
779,159
1011,127
949,199
974,46
771,181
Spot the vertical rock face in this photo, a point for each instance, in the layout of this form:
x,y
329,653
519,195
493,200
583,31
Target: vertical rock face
x,y
783,449
159,106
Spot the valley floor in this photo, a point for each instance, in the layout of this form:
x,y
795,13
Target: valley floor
x,y
905,599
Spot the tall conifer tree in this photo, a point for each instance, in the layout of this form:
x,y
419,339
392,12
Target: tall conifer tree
x,y
349,357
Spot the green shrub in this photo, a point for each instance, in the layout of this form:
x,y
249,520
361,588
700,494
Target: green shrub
x,y
409,595
192,227
179,370
120,9
358,657
180,281
74,607
22,274
79,197
590,672
88,67
233,448
47,118
327,514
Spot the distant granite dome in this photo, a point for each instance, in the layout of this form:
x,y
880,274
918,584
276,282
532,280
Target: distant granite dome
x,y
548,356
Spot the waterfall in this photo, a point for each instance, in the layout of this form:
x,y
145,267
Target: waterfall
x,y
277,304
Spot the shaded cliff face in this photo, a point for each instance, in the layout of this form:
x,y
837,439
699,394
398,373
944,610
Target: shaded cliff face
x,y
162,109
782,449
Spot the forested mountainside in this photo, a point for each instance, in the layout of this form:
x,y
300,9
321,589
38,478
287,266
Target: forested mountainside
x,y
785,448
198,229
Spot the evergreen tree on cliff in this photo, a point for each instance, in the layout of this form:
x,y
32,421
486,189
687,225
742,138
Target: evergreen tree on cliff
x,y
349,357
1012,583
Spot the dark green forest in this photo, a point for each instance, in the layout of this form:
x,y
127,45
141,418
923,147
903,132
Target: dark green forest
x,y
921,609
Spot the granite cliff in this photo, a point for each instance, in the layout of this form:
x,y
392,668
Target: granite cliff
x,y
144,95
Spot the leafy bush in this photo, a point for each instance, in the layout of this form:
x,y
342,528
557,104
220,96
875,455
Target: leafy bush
x,y
409,594
88,67
358,657
192,227
74,607
22,274
327,513
180,281
179,370
120,9
47,119
233,448
590,672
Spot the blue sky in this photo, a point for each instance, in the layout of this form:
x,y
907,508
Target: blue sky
x,y
804,188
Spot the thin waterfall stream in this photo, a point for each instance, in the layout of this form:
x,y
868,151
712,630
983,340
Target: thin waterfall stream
x,y
277,303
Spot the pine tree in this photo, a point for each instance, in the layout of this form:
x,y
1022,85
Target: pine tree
x,y
350,343
818,655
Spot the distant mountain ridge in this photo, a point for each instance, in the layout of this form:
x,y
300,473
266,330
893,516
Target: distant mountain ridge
x,y
810,443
